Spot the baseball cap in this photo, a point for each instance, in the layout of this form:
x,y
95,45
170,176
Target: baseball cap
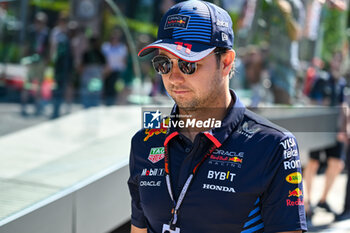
x,y
193,29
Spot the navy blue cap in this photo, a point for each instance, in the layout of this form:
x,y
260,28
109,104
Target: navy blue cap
x,y
193,29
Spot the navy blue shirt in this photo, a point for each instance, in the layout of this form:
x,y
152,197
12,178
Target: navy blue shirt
x,y
329,88
250,183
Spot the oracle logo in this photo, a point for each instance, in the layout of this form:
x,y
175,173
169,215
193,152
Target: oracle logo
x,y
150,183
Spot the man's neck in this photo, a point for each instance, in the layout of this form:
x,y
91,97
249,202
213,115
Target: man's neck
x,y
216,113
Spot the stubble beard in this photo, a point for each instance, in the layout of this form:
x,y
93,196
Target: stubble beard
x,y
207,101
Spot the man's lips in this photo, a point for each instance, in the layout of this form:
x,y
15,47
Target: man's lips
x,y
180,91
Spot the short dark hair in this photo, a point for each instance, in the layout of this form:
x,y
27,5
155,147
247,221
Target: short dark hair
x,y
218,52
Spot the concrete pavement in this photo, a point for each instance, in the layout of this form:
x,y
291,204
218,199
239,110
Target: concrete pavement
x,y
322,221
62,163
11,119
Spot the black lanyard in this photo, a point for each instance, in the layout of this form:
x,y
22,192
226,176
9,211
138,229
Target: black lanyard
x,y
177,204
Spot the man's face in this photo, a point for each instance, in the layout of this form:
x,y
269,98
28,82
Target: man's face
x,y
198,90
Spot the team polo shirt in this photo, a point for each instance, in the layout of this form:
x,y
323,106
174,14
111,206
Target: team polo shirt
x,y
250,183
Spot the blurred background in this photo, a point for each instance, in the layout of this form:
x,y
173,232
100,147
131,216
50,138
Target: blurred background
x,y
72,88
50,46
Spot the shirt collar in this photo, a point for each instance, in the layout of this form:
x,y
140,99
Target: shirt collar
x,y
230,122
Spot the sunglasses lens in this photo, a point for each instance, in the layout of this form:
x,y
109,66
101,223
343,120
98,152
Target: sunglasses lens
x,y
187,67
161,64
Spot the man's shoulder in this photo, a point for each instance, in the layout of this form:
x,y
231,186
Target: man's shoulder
x,y
149,136
264,126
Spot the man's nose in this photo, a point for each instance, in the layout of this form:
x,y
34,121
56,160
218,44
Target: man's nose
x,y
176,76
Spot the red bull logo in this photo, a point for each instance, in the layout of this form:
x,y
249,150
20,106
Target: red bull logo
x,y
227,158
294,203
172,21
295,193
236,160
151,132
177,21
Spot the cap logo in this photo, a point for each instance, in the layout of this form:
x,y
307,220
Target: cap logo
x,y
177,21
224,36
222,23
181,44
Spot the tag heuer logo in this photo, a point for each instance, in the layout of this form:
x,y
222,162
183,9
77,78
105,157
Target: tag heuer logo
x,y
156,154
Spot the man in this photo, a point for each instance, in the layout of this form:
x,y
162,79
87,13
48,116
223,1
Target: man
x,y
328,91
36,50
116,53
63,63
243,175
284,21
345,214
314,30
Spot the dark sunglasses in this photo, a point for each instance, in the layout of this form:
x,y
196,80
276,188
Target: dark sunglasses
x,y
163,64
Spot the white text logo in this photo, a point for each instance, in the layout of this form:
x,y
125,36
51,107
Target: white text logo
x,y
221,175
218,188
288,143
153,172
150,183
292,164
290,152
194,123
222,23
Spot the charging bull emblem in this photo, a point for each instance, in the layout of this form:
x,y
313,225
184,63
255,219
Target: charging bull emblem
x,y
295,193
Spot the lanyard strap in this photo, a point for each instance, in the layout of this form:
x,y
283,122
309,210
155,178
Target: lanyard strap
x,y
177,204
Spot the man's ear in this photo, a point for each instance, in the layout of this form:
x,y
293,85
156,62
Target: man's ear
x,y
228,60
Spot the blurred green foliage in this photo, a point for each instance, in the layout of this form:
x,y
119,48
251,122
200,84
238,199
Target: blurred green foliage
x,y
333,29
133,24
235,18
56,5
334,37
10,52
